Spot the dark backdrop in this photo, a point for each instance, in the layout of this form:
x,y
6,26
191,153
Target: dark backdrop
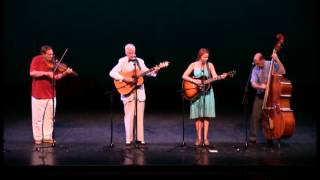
x,y
96,31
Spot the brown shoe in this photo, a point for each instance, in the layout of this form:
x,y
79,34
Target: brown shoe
x,y
49,141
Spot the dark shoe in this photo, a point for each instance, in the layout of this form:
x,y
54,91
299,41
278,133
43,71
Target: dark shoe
x,y
252,142
141,143
270,142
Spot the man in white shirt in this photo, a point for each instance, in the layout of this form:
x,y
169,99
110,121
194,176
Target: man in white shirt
x,y
129,63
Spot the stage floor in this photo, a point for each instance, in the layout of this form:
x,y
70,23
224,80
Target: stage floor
x,y
83,139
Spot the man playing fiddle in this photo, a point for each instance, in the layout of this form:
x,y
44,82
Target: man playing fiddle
x,y
43,96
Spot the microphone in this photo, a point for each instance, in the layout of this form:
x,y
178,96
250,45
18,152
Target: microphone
x,y
54,59
134,58
253,62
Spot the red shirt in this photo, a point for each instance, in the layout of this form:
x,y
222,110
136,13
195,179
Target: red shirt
x,y
41,86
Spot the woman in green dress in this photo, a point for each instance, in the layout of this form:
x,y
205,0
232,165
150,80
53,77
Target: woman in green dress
x,y
202,108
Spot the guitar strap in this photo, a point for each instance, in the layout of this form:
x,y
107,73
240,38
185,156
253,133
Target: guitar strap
x,y
138,64
208,70
209,73
136,61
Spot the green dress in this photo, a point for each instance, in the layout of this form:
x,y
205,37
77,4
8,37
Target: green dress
x,y
204,104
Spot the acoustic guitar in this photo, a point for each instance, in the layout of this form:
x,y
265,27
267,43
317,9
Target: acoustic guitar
x,y
127,88
191,90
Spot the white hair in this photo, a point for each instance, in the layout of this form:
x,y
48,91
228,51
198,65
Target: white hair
x,y
129,46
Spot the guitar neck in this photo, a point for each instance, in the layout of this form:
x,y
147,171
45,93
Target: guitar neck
x,y
212,79
230,73
146,72
161,65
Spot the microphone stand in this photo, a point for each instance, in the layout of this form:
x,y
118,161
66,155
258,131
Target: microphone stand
x,y
136,107
111,145
40,149
203,92
136,145
204,148
54,85
111,92
183,144
55,67
245,106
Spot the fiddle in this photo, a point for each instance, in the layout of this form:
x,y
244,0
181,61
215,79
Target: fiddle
x,y
61,68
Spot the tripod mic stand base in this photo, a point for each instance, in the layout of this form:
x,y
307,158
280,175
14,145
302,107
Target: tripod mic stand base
x,y
183,144
239,148
246,145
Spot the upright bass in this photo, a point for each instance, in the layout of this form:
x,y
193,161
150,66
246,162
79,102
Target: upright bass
x,y
277,117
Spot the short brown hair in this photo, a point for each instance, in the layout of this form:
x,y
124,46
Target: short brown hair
x,y
44,49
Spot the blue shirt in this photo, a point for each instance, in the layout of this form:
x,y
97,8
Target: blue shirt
x,y
260,75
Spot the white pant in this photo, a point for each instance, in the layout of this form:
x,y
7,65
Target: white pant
x,y
129,110
42,118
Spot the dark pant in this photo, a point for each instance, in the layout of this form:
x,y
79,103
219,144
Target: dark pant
x,y
255,117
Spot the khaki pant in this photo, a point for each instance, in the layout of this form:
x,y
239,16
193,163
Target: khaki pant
x,y
42,118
